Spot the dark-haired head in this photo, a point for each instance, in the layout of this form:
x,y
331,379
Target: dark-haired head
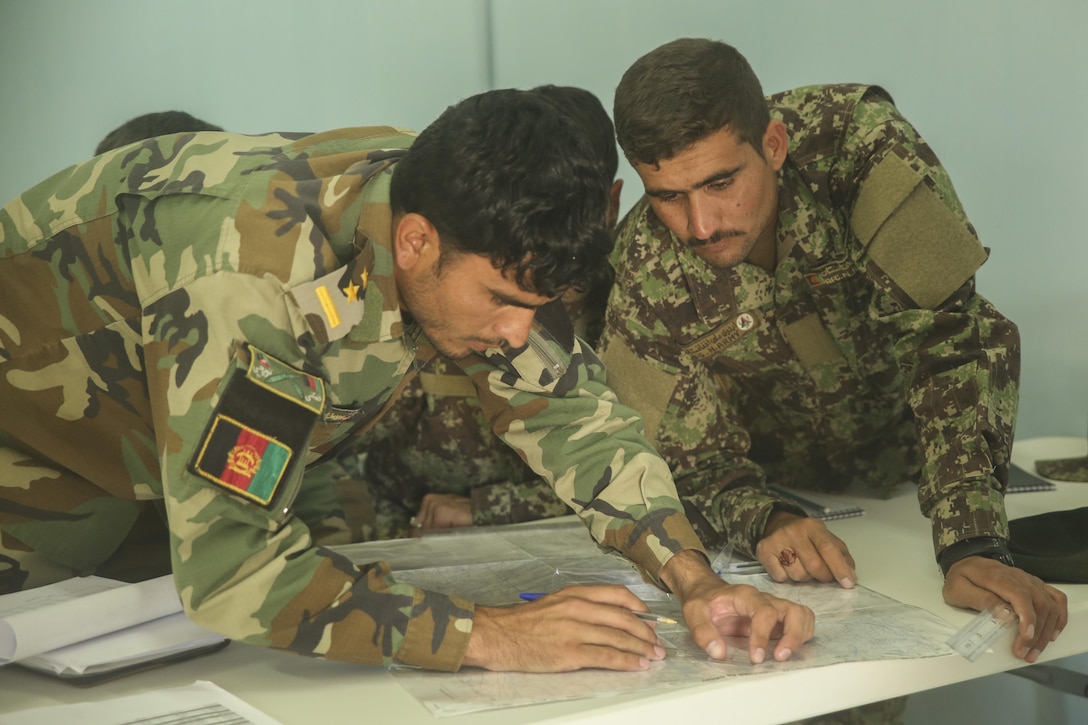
x,y
682,92
507,175
150,125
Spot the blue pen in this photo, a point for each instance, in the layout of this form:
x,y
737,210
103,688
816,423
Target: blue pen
x,y
648,616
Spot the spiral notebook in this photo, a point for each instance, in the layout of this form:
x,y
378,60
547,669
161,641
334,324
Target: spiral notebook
x,y
1022,481
818,506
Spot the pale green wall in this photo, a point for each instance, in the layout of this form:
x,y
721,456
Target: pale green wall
x,y
997,87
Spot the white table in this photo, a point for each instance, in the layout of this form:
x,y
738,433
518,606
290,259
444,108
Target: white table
x,y
891,544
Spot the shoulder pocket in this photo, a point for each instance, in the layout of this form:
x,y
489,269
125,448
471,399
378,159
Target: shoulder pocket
x,y
912,235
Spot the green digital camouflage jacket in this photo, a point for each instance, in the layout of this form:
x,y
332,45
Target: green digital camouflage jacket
x,y
435,439
867,356
200,318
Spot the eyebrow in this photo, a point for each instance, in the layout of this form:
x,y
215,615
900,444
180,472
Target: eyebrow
x,y
714,178
508,300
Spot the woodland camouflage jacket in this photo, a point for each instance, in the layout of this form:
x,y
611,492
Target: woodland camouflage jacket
x,y
197,318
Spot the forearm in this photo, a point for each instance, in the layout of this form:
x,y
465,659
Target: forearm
x,y
575,434
963,393
285,594
511,502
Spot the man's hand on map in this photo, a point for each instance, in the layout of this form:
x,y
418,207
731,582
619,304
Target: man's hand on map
x,y
975,582
576,627
799,548
443,511
714,610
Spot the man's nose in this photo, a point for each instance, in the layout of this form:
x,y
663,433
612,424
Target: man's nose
x,y
514,325
702,221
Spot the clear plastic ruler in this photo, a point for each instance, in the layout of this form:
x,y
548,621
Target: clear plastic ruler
x,y
982,631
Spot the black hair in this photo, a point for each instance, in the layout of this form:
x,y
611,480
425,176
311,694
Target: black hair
x,y
150,125
507,175
683,91
589,113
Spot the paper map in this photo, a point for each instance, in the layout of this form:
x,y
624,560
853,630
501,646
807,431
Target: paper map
x,y
493,566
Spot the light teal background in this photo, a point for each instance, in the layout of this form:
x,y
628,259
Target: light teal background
x,y
998,87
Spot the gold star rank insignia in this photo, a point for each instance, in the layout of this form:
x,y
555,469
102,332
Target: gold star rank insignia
x,y
352,290
365,276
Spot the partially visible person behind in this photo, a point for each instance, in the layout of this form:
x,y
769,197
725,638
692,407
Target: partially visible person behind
x,y
432,461
150,125
795,303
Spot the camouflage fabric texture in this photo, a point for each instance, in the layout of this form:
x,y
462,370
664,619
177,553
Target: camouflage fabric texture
x,y
867,358
193,324
1064,469
435,439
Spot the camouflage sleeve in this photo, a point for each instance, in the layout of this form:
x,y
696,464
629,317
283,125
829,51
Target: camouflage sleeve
x,y
684,406
959,355
551,405
244,563
510,502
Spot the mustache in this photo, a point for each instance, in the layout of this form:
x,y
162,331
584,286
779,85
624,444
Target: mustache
x,y
715,238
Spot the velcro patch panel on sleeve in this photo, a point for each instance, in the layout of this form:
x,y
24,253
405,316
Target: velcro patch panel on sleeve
x,y
912,235
259,431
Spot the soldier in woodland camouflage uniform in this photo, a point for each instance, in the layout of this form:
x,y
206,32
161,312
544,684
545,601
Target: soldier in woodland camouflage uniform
x,y
432,461
795,303
190,324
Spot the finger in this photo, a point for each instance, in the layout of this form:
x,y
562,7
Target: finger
x,y
1044,630
1062,604
620,640
607,658
763,622
1023,604
792,624
605,606
604,625
811,560
798,627
790,561
1050,611
823,555
704,631
840,564
768,552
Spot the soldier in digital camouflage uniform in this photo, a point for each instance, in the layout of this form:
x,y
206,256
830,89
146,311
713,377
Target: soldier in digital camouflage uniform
x,y
795,303
149,125
191,323
432,460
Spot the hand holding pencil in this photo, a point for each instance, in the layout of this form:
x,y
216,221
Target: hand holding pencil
x,y
575,627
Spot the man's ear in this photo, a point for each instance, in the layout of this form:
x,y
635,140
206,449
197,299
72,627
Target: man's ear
x,y
775,143
613,204
415,241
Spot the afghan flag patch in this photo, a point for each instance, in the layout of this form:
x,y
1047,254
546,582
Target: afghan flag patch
x,y
243,460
